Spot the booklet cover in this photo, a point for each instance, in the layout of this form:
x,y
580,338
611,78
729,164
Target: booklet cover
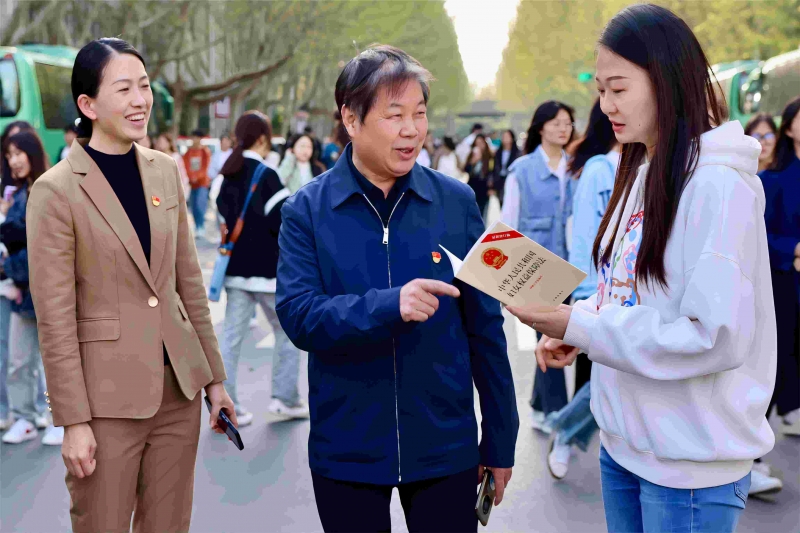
x,y
512,268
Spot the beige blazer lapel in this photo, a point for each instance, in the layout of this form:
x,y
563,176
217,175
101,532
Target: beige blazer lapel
x,y
106,201
154,191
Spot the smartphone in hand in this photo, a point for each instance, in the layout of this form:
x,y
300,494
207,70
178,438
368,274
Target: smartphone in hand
x,y
485,497
225,423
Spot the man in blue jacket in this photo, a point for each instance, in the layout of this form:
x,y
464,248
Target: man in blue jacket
x,y
393,347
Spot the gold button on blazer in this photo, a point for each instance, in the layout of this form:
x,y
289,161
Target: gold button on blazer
x,y
103,313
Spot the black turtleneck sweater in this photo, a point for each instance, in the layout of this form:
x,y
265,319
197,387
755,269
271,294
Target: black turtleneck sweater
x,y
122,173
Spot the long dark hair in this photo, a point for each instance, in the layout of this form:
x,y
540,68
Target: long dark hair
x,y
6,179
317,168
249,128
784,148
28,141
87,73
761,118
658,41
545,113
514,147
486,157
598,139
168,137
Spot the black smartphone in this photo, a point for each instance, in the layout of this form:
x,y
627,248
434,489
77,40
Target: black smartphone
x,y
485,497
225,423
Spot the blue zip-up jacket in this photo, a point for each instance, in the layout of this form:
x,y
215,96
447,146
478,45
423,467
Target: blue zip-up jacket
x,y
782,192
592,192
391,401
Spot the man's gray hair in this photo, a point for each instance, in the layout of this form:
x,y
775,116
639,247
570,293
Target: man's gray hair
x,y
377,67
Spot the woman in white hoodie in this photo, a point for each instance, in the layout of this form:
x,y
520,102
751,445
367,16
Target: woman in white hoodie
x,y
681,329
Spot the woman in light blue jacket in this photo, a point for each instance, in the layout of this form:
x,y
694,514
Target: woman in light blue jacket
x,y
537,203
594,166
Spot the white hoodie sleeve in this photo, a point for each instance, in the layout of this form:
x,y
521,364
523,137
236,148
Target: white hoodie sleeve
x,y
715,327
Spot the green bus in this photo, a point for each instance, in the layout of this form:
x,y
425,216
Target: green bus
x,y
770,86
35,86
731,77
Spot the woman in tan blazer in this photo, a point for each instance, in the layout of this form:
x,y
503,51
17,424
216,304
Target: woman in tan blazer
x,y
124,326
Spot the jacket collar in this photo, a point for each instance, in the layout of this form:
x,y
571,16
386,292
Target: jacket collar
x,y
250,154
344,184
105,199
538,161
562,165
81,162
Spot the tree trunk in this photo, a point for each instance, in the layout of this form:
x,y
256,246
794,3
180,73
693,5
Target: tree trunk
x,y
234,112
179,96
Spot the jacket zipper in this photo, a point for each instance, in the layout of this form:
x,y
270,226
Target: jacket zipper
x,y
394,351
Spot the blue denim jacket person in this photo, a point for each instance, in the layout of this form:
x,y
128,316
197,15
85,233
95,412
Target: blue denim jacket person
x,y
590,198
543,203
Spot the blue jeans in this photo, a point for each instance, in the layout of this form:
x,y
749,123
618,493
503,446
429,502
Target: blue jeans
x,y
549,389
574,424
5,406
26,372
633,504
286,361
198,204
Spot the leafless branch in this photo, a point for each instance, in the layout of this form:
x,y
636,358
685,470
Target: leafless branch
x,y
245,76
161,63
87,34
23,28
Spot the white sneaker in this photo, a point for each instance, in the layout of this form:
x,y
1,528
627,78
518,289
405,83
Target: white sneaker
x,y
21,431
244,419
41,422
761,484
791,418
558,459
539,421
762,468
53,436
793,429
6,423
277,407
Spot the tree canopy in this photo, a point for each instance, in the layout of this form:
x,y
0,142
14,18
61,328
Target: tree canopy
x,y
280,54
551,42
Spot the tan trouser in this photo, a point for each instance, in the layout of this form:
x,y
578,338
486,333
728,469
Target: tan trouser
x,y
142,464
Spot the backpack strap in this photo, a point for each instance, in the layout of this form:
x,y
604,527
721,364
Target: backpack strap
x,y
237,229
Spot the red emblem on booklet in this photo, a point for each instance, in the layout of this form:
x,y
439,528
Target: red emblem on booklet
x,y
494,257
436,257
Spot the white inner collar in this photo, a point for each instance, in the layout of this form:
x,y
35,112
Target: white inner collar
x,y
250,154
561,171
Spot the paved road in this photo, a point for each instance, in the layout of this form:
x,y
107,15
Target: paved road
x,y
267,487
